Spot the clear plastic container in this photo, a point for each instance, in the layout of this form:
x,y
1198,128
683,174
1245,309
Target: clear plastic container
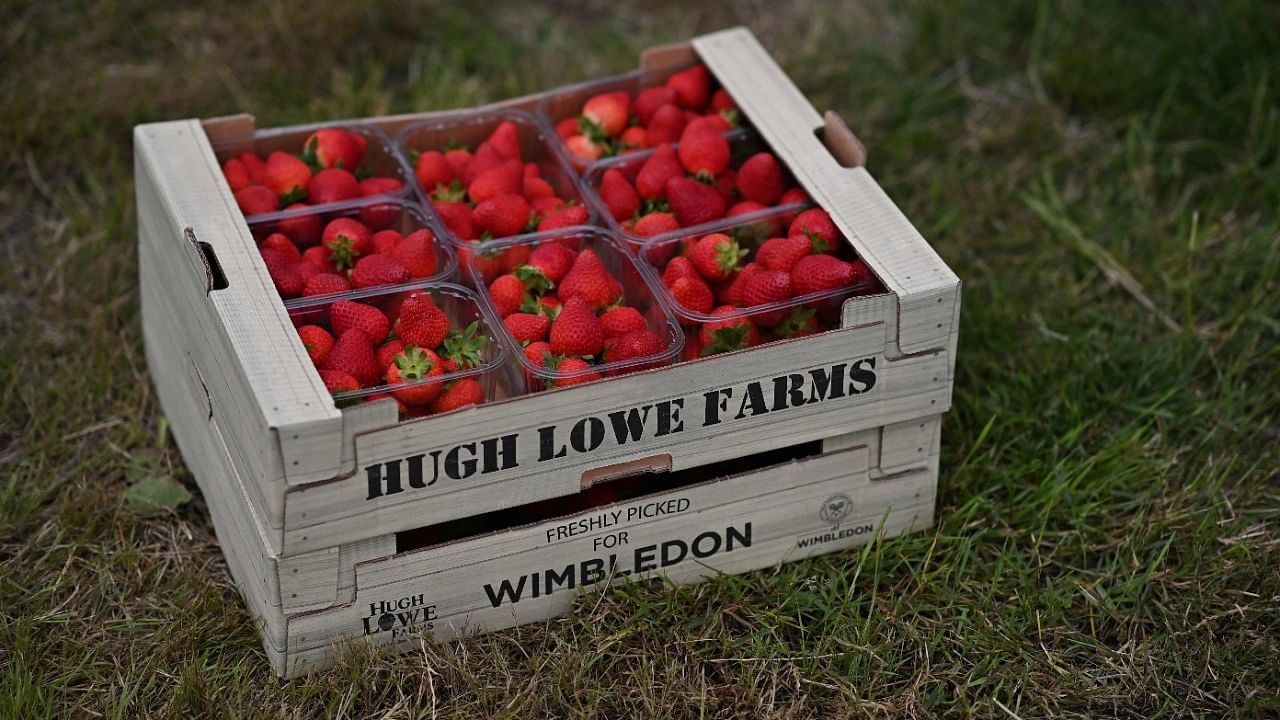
x,y
380,159
304,229
497,376
637,292
772,320
469,128
742,145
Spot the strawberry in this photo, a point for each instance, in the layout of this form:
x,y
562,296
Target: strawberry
x,y
283,245
552,260
317,341
507,293
649,100
284,272
456,217
464,349
287,176
606,114
634,139
816,225
727,335
583,149
692,87
703,152
692,202
324,284
679,267
572,367
319,257
353,355
636,344
816,273
792,196
421,323
388,351
548,305
485,158
256,199
536,353
660,167
655,223
590,280
333,148
760,178
256,168
618,195
432,169
306,271
411,366
620,321
693,294
716,256
347,240
384,241
577,330
568,127
303,230
734,292
374,270
505,139
506,178
347,315
237,174
721,102
503,215
458,394
783,253
337,381
564,217
799,323
527,327
545,205
458,159
417,252
487,262
715,123
768,286
374,186
666,127
513,257
332,185
533,188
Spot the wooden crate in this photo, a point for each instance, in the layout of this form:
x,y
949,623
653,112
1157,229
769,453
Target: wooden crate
x,y
307,498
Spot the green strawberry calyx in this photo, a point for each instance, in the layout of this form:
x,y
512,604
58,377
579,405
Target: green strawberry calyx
x,y
414,364
729,254
728,338
466,347
796,323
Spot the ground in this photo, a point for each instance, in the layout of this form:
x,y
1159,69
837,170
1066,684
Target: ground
x,y
1104,177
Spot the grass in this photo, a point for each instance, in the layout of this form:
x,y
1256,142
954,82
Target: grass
x,y
1103,176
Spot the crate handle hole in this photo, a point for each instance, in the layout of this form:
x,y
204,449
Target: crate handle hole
x,y
840,141
214,278
660,463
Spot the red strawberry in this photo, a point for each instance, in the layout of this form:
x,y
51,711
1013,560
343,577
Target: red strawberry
x,y
332,185
608,112
649,100
768,286
527,327
256,199
458,159
655,223
421,323
590,280
544,205
304,229
693,294
692,202
336,381
535,187
484,159
620,321
721,102
576,330
583,149
506,178
306,271
414,365
317,341
347,240
565,366
661,166
457,217
727,335
564,217
679,267
552,260
507,293
237,174
799,323
432,170
792,196
548,305
384,241
816,225
692,87
256,168
284,272
636,344
783,253
458,394
716,256
734,292
333,148
324,284
703,151
287,176
374,270
417,252
503,215
513,257
487,262
567,128
283,245
388,351
760,178
505,139
319,257
353,355
716,123
374,186
667,126
816,273
536,353
618,195
347,315
634,139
